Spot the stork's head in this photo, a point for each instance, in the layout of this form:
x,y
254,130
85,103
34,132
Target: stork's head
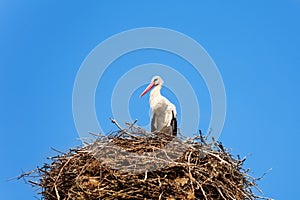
x,y
156,81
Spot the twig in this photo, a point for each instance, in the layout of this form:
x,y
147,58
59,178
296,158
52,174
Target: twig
x,y
146,175
201,137
94,134
116,123
132,124
57,150
208,134
56,192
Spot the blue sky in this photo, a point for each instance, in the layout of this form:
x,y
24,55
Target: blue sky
x,y
255,45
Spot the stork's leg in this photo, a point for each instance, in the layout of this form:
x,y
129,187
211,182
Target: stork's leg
x,y
153,123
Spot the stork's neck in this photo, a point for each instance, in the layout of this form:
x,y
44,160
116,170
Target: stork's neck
x,y
155,93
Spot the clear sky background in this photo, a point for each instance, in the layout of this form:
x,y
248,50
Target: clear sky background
x,y
255,44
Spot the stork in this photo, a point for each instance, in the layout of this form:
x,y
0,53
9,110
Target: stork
x,y
163,112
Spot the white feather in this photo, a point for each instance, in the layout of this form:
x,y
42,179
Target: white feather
x,y
161,109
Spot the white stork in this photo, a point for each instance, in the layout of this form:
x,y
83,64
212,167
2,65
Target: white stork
x,y
163,112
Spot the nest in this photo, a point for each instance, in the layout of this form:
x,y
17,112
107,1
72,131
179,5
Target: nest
x,y
139,165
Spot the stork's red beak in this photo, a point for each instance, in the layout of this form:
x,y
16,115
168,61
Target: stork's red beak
x,y
147,89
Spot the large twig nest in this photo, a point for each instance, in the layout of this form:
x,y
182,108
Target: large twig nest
x,y
200,171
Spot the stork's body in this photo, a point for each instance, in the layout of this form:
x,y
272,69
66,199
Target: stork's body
x,y
163,112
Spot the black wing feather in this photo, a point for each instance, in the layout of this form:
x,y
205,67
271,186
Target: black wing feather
x,y
174,124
